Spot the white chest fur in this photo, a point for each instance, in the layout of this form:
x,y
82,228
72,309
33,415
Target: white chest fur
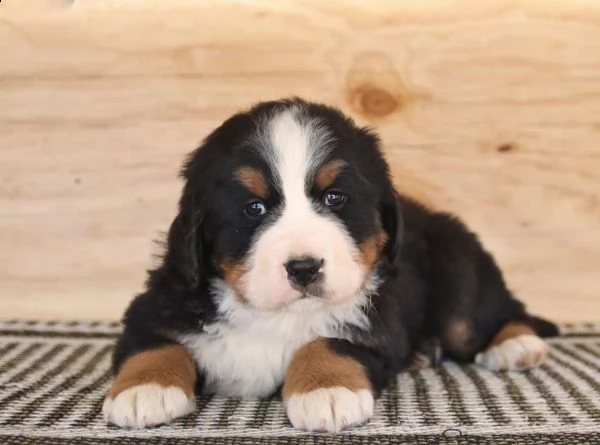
x,y
248,352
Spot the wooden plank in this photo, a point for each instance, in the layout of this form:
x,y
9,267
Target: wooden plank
x,y
490,109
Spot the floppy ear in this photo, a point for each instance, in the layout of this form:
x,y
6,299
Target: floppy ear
x,y
391,220
183,262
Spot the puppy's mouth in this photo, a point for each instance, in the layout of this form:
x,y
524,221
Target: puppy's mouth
x,y
307,294
315,291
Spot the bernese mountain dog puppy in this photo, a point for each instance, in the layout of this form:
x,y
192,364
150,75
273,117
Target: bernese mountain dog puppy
x,y
294,267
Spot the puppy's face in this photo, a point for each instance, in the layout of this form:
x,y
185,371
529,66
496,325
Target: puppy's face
x,y
290,200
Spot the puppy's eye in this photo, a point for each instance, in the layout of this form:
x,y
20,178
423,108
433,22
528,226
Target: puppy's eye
x,y
333,198
255,209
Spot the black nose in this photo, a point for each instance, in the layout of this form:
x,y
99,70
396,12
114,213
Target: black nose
x,y
304,271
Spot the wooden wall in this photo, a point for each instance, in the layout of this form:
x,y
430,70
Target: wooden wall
x,y
487,108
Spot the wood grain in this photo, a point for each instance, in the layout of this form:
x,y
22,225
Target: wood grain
x,y
490,109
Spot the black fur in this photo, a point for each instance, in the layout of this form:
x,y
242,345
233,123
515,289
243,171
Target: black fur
x,y
435,271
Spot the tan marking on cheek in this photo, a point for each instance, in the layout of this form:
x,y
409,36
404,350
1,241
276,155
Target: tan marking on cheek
x,y
328,172
253,180
316,366
511,330
372,247
232,274
165,366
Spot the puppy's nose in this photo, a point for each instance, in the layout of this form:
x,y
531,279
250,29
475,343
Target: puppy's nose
x,y
303,271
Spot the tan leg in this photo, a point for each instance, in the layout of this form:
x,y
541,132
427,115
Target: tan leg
x,y
151,388
325,391
516,347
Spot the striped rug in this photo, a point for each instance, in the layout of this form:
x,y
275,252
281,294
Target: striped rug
x,y
53,376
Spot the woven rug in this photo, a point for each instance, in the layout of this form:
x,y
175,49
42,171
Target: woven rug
x,y
53,376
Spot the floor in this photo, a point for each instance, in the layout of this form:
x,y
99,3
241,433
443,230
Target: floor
x,y
57,376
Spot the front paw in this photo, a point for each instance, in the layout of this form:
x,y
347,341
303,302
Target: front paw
x,y
329,409
147,405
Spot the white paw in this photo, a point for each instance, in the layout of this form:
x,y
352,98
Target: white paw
x,y
515,354
147,405
330,409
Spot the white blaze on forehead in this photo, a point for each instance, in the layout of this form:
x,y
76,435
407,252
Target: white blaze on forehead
x,y
298,150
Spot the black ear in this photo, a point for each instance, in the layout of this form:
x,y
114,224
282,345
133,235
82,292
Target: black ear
x,y
183,262
391,220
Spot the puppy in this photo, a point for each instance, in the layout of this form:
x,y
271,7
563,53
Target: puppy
x,y
294,266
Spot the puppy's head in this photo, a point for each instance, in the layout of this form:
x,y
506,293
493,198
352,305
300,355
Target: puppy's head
x,y
285,202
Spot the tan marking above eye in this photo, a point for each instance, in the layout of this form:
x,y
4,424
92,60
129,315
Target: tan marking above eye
x,y
328,172
253,180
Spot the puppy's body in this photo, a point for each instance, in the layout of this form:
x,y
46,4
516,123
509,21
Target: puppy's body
x,y
294,263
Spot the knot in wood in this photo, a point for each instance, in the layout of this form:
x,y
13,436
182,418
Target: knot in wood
x,y
373,101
